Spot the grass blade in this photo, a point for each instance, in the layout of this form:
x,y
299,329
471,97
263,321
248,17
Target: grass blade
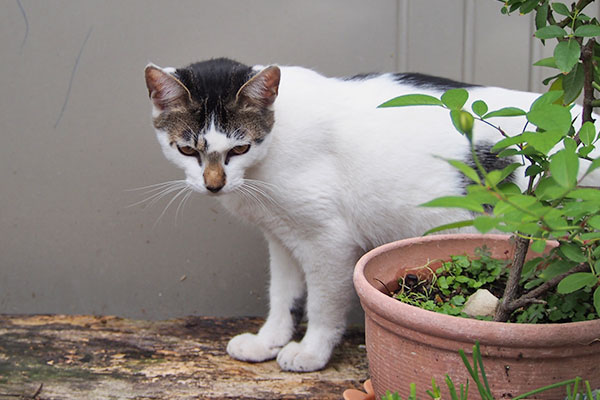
x,y
553,386
477,355
451,388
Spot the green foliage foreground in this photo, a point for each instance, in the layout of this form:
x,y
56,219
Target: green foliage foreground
x,y
556,153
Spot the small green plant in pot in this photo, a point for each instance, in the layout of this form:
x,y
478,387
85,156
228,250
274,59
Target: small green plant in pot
x,y
556,150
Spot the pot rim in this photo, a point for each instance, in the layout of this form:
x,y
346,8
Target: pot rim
x,y
442,325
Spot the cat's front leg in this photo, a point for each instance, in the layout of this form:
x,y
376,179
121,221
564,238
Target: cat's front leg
x,y
329,296
286,289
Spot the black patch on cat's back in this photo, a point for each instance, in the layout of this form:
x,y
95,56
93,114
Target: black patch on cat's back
x,y
430,82
213,84
361,77
416,79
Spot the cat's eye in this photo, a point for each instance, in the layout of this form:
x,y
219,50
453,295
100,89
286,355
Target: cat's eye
x,y
239,150
187,150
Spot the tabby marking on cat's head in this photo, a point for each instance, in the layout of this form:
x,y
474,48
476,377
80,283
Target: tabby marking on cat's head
x,y
213,119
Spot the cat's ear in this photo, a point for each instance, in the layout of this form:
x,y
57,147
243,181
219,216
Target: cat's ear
x,y
166,91
261,90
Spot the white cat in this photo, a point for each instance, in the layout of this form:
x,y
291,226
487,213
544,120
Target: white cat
x,y
323,172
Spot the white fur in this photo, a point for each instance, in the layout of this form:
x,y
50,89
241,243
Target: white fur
x,y
340,177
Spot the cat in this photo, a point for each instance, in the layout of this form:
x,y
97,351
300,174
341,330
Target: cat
x,y
323,172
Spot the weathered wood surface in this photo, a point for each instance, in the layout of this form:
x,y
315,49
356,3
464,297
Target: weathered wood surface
x,y
88,357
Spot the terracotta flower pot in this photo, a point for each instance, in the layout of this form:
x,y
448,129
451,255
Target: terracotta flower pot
x,y
407,344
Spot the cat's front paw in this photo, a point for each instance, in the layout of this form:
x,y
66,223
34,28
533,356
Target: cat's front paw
x,y
294,357
250,347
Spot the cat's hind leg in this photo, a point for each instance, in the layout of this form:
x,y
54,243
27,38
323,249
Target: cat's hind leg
x,y
286,289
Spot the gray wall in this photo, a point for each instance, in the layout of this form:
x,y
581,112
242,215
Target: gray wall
x,y
76,135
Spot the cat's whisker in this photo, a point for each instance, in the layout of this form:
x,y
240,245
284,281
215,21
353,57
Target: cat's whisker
x,y
262,188
260,197
261,191
181,206
165,193
262,183
252,196
182,190
155,186
161,192
248,196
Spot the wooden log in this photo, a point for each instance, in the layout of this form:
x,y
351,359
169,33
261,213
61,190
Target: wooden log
x,y
51,357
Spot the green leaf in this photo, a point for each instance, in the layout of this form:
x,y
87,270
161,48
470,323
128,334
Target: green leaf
x,y
595,164
505,112
585,151
479,107
546,62
570,145
528,6
509,169
481,195
590,236
509,188
502,207
468,171
522,200
455,99
543,141
412,100
509,153
538,246
564,166
576,281
550,31
533,170
453,225
597,300
587,133
559,76
594,222
509,141
572,84
585,194
514,4
551,117
566,54
549,97
541,16
557,267
584,18
484,224
588,31
572,252
548,189
454,202
561,9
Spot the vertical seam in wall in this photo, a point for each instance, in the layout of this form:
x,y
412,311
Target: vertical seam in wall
x,y
402,35
468,45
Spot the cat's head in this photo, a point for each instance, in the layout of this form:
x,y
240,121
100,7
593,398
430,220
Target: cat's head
x,y
213,119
